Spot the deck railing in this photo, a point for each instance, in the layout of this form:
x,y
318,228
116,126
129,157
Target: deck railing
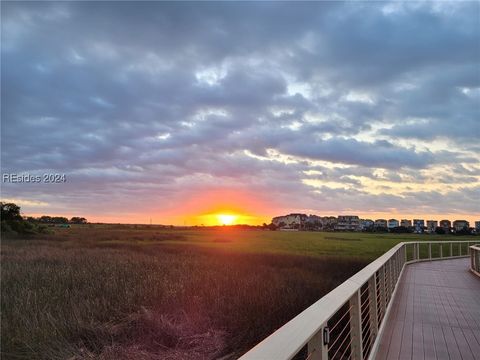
x,y
475,259
345,323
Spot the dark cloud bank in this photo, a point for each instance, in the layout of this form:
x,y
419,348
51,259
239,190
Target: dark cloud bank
x,y
172,99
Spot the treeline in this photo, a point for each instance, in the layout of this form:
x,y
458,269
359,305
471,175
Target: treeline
x,y
56,220
12,222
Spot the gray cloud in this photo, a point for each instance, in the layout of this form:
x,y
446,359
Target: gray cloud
x,y
165,95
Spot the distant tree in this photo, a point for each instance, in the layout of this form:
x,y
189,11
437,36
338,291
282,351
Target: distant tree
x,y
464,231
272,227
10,212
400,230
78,220
440,231
13,223
60,220
45,219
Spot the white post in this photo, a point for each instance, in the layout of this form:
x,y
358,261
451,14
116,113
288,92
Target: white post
x,y
430,251
382,286
356,326
441,250
317,347
372,296
451,249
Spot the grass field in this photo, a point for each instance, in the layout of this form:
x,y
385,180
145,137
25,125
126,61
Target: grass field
x,y
140,292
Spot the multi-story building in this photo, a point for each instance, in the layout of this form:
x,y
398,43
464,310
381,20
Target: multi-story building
x,y
366,224
432,225
329,222
406,223
459,225
380,223
393,223
477,227
446,225
314,222
347,223
290,221
418,225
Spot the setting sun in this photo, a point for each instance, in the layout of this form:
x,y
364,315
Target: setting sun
x,y
226,219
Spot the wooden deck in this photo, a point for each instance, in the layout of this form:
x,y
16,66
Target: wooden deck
x,y
435,313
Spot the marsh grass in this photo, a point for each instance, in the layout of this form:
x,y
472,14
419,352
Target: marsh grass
x,y
125,294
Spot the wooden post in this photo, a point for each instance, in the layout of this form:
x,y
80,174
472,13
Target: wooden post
x,y
441,250
451,249
417,247
430,251
356,326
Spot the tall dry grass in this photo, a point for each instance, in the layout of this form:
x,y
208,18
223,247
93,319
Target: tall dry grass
x,y
68,298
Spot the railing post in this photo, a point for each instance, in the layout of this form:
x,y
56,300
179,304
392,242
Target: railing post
x,y
417,249
460,249
382,283
372,297
430,251
441,250
356,326
472,260
451,249
316,347
405,253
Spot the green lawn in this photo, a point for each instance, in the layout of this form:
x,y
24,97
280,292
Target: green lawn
x,y
367,246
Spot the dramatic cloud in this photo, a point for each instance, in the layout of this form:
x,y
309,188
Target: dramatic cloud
x,y
320,107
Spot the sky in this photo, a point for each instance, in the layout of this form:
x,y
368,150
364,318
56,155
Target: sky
x,y
172,112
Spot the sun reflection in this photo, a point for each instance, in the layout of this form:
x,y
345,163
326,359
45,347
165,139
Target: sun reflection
x,y
225,219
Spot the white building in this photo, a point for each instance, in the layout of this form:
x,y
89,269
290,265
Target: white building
x,y
366,224
381,223
290,221
418,225
406,223
393,223
459,225
348,223
432,225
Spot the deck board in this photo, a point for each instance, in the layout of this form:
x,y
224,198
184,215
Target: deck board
x,y
435,314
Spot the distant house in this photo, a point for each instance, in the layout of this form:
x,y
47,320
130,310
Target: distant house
x,y
380,223
432,226
446,225
393,223
347,223
406,223
366,224
477,227
290,221
418,225
459,225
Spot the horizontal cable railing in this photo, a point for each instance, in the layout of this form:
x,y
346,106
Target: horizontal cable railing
x,y
345,323
475,259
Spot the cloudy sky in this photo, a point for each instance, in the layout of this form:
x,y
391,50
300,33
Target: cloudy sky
x,y
171,111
